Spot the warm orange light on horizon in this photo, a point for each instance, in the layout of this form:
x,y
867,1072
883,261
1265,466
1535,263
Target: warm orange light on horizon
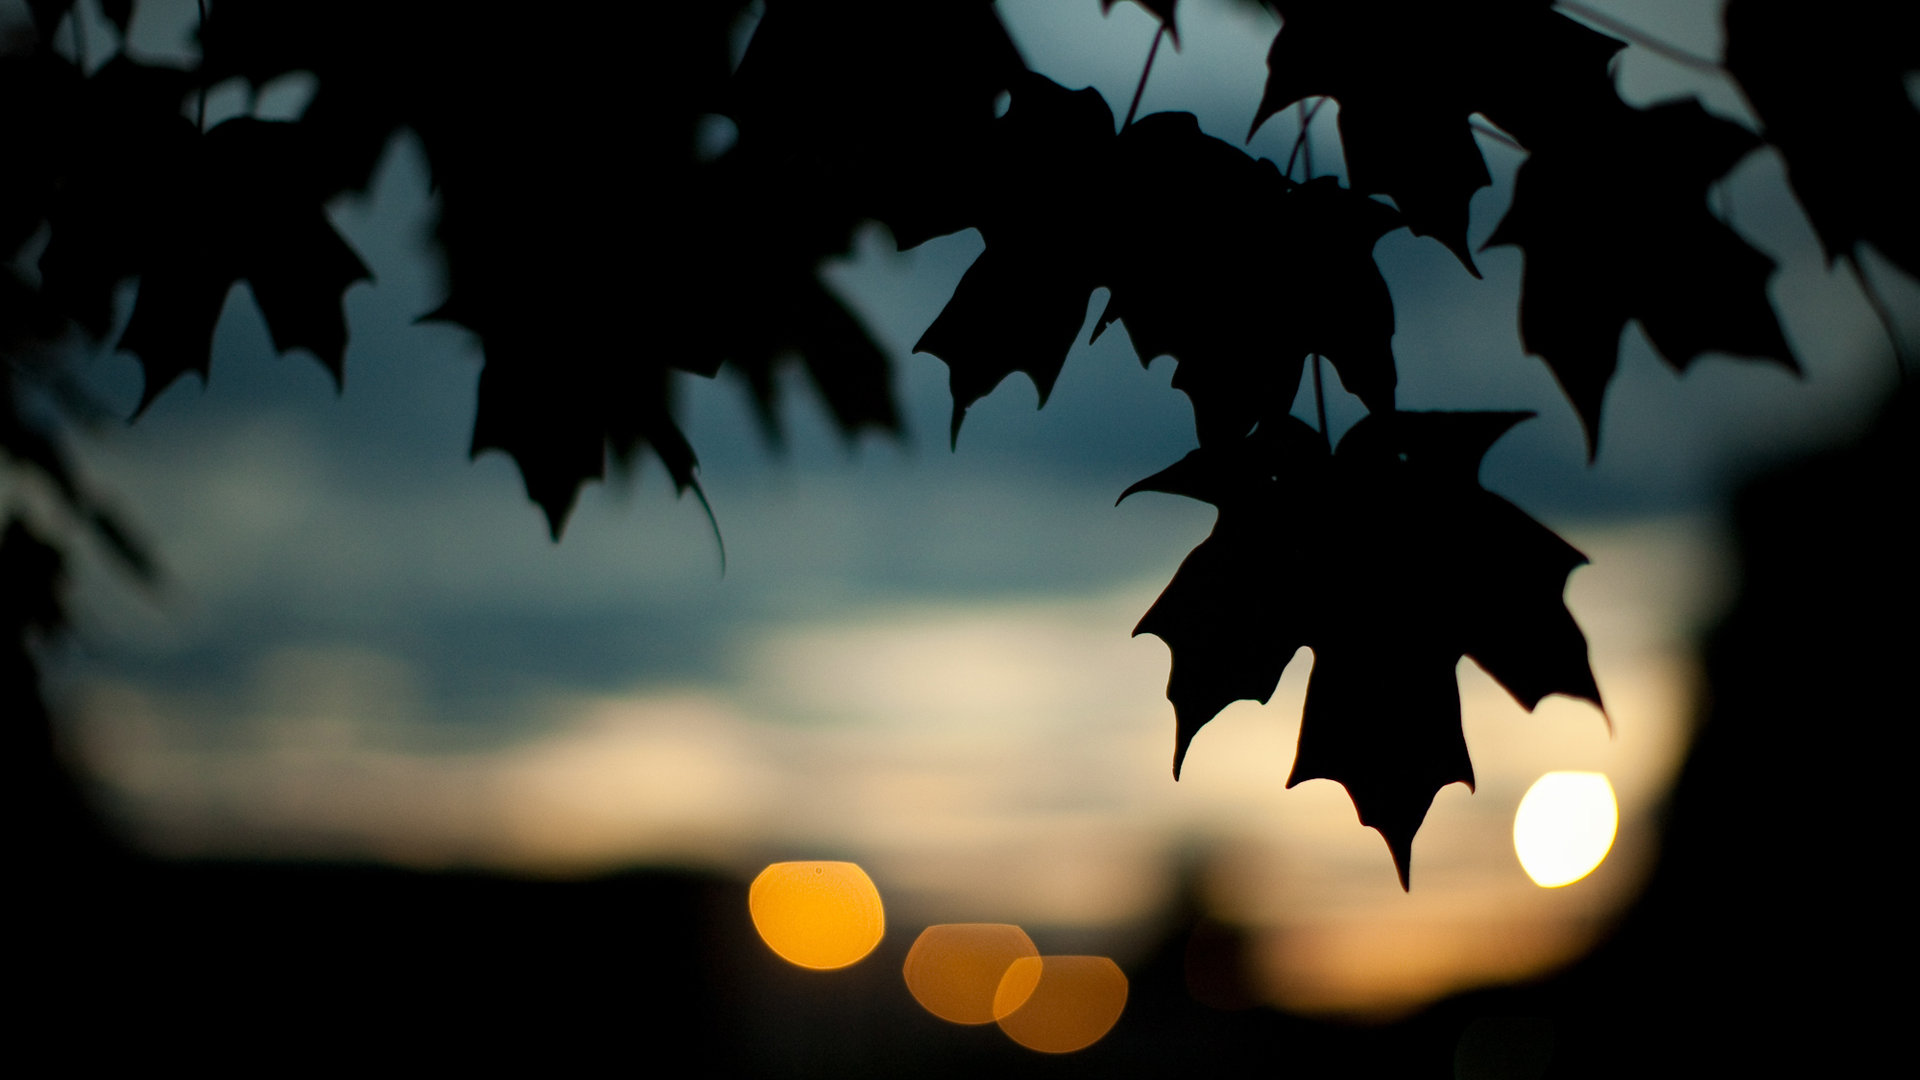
x,y
820,915
1068,1003
955,970
1565,826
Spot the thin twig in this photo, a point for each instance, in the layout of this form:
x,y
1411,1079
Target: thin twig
x,y
1300,140
1306,145
1901,359
1320,404
713,523
1641,38
1144,72
200,120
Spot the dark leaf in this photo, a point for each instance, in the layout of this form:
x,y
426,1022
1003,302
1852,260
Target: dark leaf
x,y
127,174
1408,74
245,212
171,329
876,104
118,12
1386,556
1021,304
1240,274
1851,61
741,235
1219,659
1604,245
1539,74
841,360
298,266
1007,314
555,416
709,262
35,140
144,194
48,15
1211,257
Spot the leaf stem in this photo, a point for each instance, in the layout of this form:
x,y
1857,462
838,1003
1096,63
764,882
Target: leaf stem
x,y
200,118
713,523
1144,72
1640,37
1300,140
1320,404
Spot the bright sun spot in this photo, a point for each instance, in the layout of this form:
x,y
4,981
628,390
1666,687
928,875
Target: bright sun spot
x,y
1564,827
817,914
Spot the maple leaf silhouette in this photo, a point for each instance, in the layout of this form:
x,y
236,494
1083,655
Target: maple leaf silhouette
x,y
1211,257
1408,74
246,215
1240,274
743,228
1020,306
121,165
1386,555
817,153
146,195
1603,245
926,157
540,212
879,105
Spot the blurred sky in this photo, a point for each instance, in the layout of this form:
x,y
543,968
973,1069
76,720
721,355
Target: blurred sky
x,y
366,647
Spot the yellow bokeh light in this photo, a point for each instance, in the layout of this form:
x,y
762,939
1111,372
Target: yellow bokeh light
x,y
954,970
1065,1003
1565,827
820,915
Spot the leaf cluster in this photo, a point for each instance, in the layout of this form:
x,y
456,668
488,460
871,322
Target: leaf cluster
x,y
597,252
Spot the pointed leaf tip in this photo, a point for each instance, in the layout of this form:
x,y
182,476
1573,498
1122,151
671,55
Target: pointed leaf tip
x,y
1182,739
1402,851
557,507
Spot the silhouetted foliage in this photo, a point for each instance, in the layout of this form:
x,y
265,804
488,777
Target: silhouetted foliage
x,y
1415,565
596,253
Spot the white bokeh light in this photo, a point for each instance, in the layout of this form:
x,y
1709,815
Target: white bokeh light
x,y
1565,826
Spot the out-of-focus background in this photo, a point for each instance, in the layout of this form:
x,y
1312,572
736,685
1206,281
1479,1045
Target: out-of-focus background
x,y
365,650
